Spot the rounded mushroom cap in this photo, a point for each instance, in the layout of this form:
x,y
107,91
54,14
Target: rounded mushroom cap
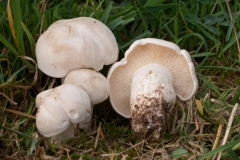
x,y
94,83
74,100
51,119
59,106
75,43
143,52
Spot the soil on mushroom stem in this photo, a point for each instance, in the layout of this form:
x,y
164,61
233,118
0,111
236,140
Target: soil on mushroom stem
x,y
150,117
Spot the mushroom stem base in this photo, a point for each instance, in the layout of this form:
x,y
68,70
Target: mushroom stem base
x,y
152,97
65,135
150,122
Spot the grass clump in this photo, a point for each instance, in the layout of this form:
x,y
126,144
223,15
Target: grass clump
x,y
208,29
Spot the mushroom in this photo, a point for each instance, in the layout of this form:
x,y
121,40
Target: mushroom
x,y
61,107
73,44
93,82
145,83
68,45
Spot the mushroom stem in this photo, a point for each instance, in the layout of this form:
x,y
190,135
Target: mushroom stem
x,y
84,124
65,135
152,97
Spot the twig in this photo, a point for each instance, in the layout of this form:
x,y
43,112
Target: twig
x,y
213,8
154,152
117,154
219,132
228,127
19,113
40,32
135,149
221,103
9,74
3,125
52,83
9,99
234,28
98,133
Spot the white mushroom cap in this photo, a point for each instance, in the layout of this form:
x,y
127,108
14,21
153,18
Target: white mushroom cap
x,y
75,43
51,119
143,52
62,105
41,96
94,83
74,101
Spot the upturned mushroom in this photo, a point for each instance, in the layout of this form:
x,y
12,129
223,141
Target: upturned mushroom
x,y
61,107
145,83
82,42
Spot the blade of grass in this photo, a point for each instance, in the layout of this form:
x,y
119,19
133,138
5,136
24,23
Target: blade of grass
x,y
207,34
231,42
229,32
233,154
234,28
55,14
11,24
229,125
147,32
105,15
8,45
30,38
198,36
218,149
11,48
15,5
35,77
220,67
123,10
10,79
113,24
153,2
204,54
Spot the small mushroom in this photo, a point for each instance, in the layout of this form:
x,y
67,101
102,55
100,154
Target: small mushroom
x,y
51,120
82,42
93,82
145,83
61,107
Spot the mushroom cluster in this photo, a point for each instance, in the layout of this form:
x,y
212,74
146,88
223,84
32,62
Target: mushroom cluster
x,y
74,50
145,83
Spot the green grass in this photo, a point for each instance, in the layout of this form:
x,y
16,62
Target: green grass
x,y
202,27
